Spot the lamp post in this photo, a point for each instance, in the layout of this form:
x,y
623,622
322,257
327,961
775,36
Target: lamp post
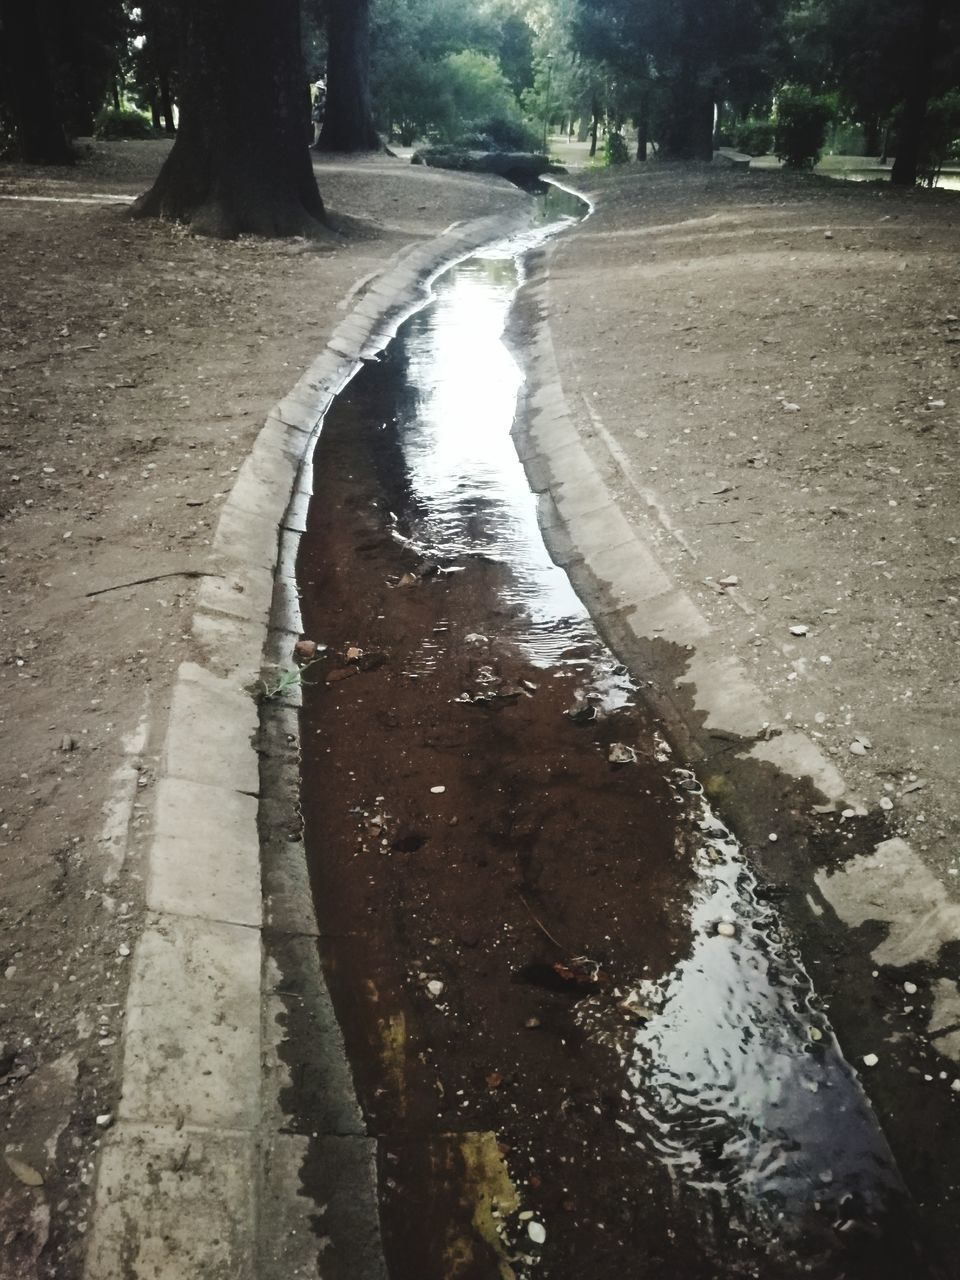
x,y
546,102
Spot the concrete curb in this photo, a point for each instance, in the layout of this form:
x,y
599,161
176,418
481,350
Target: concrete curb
x,y
202,1172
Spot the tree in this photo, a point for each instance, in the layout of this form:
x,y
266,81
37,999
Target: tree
x,y
241,161
154,63
348,121
28,83
697,53
920,88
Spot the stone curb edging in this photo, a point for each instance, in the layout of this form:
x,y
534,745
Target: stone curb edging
x,y
198,1176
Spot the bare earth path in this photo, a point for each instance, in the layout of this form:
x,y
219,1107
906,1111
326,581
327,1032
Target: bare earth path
x,y
137,364
766,372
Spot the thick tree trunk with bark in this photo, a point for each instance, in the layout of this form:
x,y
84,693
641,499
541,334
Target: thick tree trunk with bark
x,y
688,126
240,162
910,140
30,90
348,118
166,102
643,125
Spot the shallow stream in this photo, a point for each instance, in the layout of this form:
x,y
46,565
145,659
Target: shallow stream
x,y
565,946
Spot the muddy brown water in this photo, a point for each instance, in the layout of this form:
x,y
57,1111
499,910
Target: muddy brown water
x,y
576,1025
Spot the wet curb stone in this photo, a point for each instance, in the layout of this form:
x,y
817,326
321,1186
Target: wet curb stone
x,y
203,1172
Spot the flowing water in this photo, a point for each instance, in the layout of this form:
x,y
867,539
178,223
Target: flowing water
x,y
721,1071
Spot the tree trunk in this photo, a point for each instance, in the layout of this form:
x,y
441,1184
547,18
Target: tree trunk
x,y
586,115
29,85
240,163
155,111
166,102
688,126
910,139
594,124
643,125
348,118
871,136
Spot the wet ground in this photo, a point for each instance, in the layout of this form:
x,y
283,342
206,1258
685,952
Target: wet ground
x,y
576,1023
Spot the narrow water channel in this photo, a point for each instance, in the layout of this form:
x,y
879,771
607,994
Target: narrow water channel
x,y
575,1022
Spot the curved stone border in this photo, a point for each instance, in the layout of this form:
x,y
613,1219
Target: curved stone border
x,y
197,1177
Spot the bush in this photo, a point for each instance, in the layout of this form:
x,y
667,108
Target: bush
x,y
112,124
801,127
498,133
754,137
615,149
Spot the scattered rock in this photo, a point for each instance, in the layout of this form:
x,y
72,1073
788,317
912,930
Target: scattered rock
x,y
910,988
537,1232
68,742
437,791
435,987
801,629
726,930
870,1059
620,753
23,1171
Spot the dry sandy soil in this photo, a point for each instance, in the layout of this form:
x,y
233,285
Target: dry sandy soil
x,y
137,364
776,361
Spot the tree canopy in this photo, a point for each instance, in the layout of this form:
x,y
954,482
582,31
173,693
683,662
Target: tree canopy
x,y
687,72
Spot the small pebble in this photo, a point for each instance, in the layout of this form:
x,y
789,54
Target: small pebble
x,y
870,1059
123,950
726,930
910,988
105,1121
799,630
773,837
537,1232
435,987
438,791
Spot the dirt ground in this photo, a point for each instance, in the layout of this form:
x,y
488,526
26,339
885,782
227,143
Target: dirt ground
x,y
776,359
138,364
777,362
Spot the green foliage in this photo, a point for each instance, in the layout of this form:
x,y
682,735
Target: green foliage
x,y
754,137
415,91
497,133
615,149
801,126
112,124
477,89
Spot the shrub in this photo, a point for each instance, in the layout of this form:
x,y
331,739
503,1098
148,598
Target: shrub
x,y
498,133
112,124
801,126
615,149
754,137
